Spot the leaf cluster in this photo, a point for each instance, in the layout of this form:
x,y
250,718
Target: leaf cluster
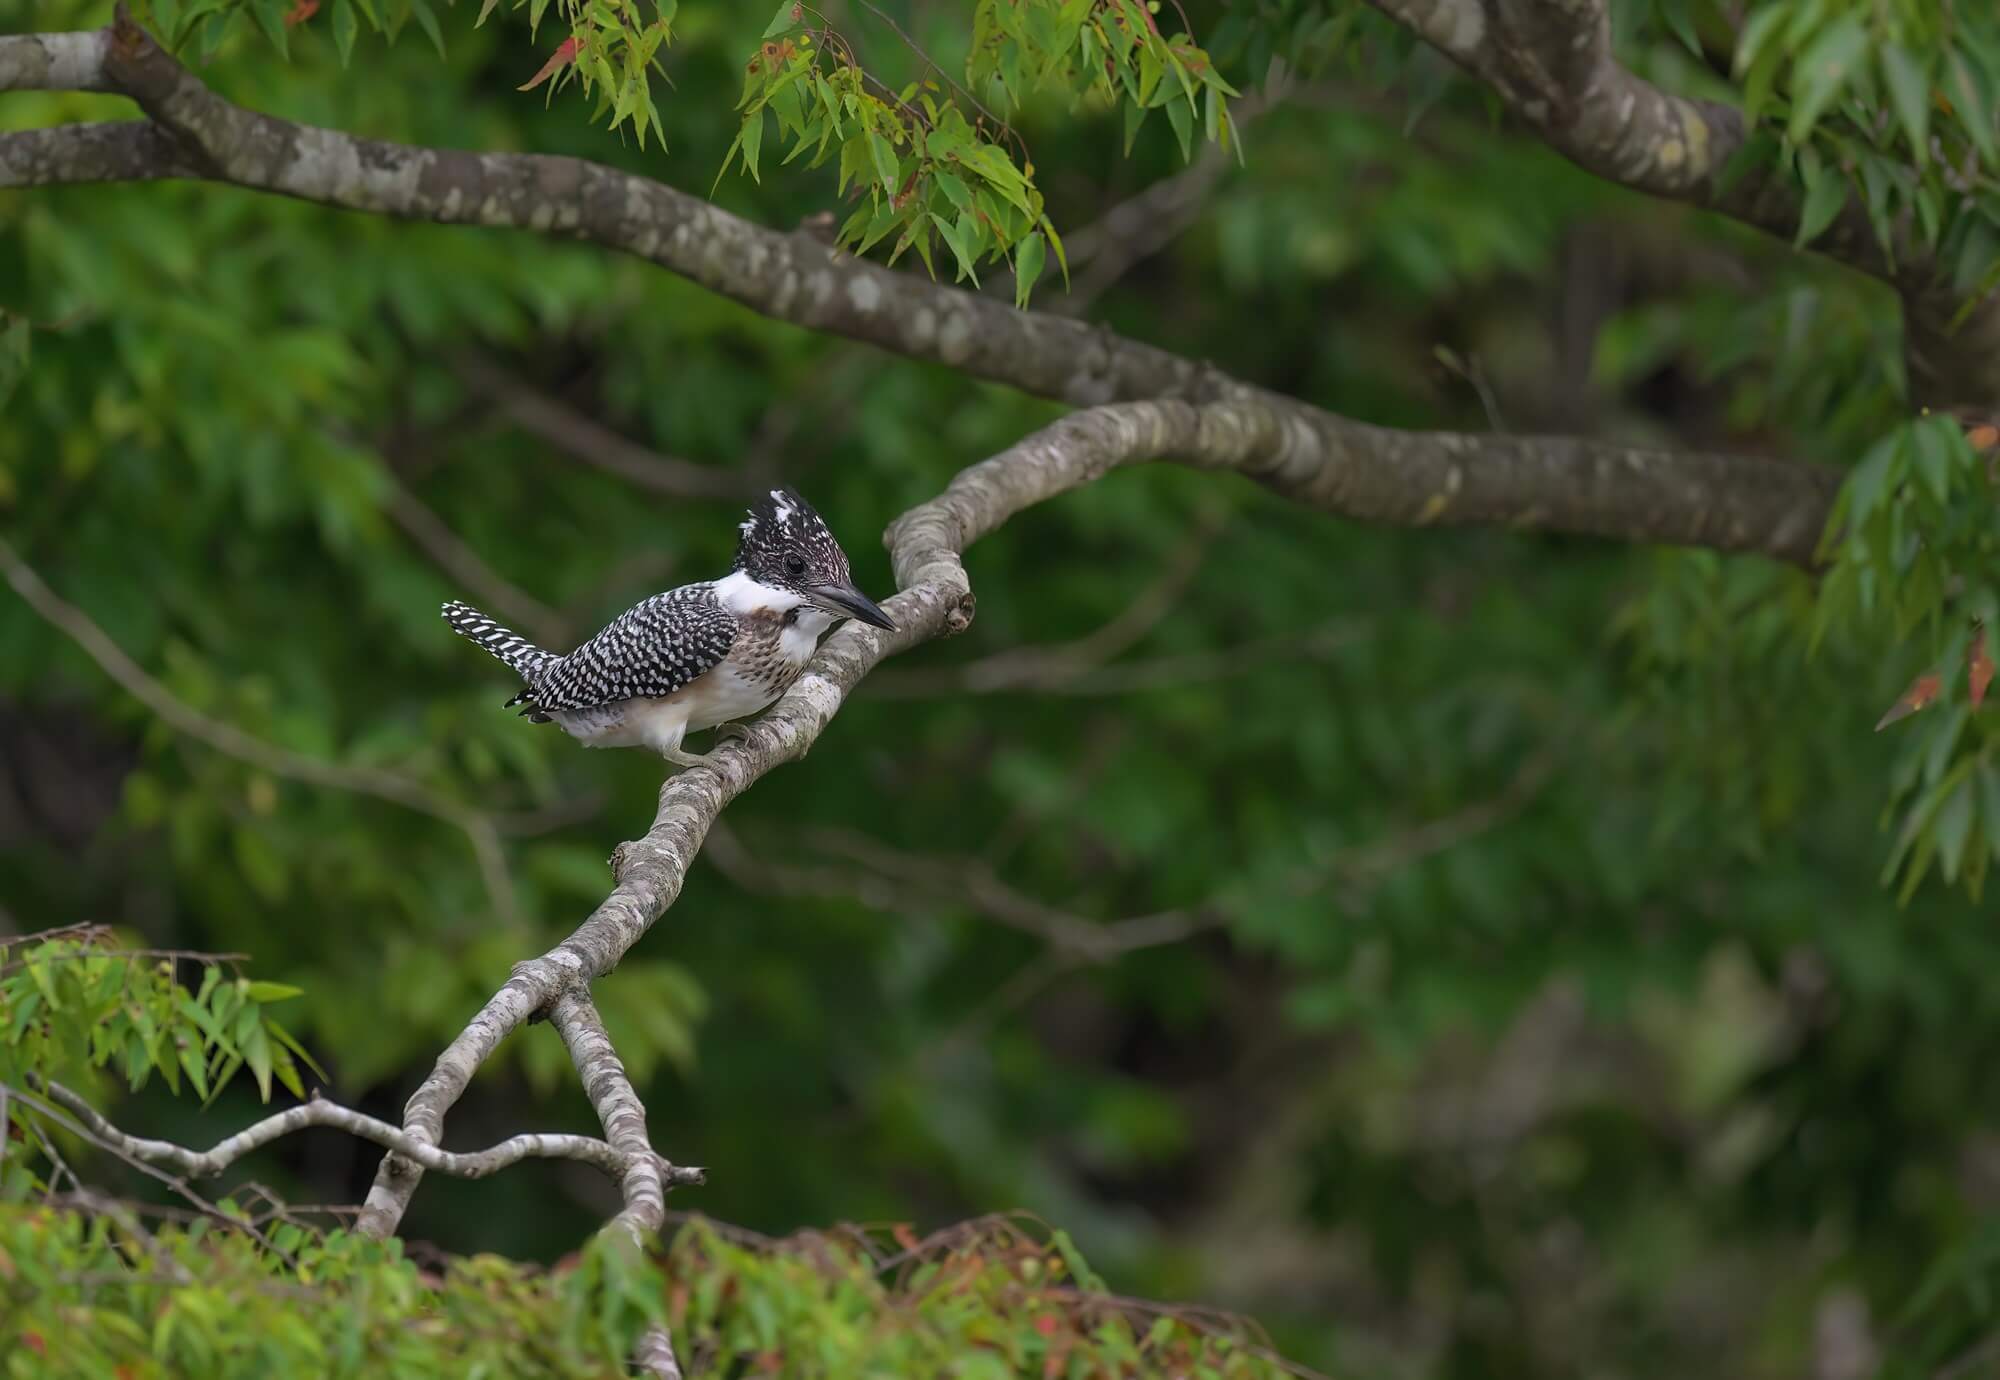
x,y
72,1002
84,1295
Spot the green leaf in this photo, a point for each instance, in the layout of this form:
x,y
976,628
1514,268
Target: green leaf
x,y
1028,260
257,1054
270,17
884,156
1954,828
954,189
285,1038
1824,70
427,21
265,993
953,235
1182,119
1933,458
1826,193
344,28
196,1067
752,140
1909,82
1976,115
166,20
1055,243
1679,18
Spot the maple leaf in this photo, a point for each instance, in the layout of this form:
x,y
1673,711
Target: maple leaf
x,y
1922,691
300,13
563,56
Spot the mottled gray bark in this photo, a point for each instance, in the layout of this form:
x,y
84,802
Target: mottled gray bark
x,y
618,1108
1551,61
1372,473
644,1186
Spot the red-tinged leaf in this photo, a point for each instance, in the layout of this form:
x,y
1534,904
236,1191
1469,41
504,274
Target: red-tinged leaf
x,y
905,1238
33,1341
1978,668
1922,691
300,13
563,56
1045,1323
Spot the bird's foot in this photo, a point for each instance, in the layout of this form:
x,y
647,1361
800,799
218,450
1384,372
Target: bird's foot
x,y
732,729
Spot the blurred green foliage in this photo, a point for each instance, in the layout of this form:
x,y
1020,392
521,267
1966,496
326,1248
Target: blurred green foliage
x,y
991,1299
1547,1011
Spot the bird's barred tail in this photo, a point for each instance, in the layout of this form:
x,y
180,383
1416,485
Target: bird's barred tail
x,y
526,659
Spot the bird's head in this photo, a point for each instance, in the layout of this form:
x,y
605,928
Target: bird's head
x,y
786,545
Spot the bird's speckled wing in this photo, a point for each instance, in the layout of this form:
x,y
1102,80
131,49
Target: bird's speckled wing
x,y
653,648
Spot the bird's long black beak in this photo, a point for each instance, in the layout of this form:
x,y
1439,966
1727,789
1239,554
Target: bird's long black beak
x,y
855,604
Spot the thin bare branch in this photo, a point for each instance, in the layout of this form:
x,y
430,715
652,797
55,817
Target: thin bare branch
x,y
434,537
319,1112
580,435
231,741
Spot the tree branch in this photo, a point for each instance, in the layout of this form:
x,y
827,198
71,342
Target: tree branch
x,y
1551,61
644,1185
936,599
618,1107
1347,467
318,1112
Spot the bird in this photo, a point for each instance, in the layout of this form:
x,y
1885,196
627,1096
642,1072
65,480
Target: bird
x,y
696,657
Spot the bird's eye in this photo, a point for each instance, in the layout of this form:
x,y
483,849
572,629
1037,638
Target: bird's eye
x,y
796,565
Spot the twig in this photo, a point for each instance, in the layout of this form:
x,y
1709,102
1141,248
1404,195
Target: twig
x,y
231,741
206,1163
589,440
449,552
110,1144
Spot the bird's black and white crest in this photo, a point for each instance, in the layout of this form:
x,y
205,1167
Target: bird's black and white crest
x,y
786,545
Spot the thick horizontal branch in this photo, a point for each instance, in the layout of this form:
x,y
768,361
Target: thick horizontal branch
x,y
1347,467
318,1112
1551,61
